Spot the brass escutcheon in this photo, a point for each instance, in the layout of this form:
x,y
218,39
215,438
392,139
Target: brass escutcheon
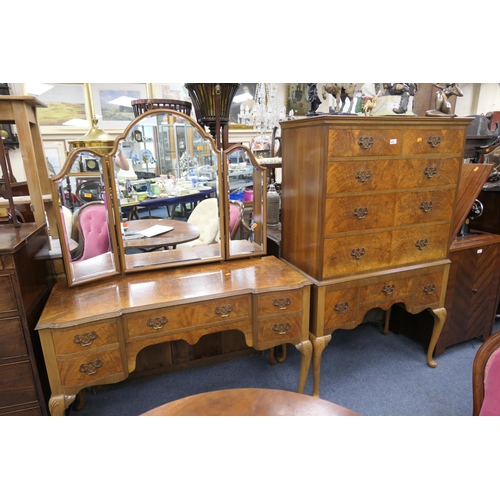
x,y
366,142
281,303
363,175
85,339
282,328
434,141
341,307
388,289
428,289
91,367
223,311
426,206
421,244
360,213
430,172
157,322
357,253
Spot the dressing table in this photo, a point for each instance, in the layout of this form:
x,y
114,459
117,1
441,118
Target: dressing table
x,y
116,304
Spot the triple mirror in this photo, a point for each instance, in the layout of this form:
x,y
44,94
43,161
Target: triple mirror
x,y
162,196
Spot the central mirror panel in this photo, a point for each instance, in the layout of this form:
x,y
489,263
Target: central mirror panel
x,y
167,186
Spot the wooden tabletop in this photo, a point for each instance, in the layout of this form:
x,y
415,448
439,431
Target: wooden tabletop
x,y
250,402
182,232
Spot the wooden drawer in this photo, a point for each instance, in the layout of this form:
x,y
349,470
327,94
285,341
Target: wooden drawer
x,y
436,141
427,289
12,343
18,385
362,252
361,176
352,142
431,172
340,307
424,206
356,213
278,330
419,244
80,339
88,370
392,288
8,303
188,316
279,302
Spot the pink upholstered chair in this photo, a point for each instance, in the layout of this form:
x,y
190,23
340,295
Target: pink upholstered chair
x,y
486,378
92,229
236,210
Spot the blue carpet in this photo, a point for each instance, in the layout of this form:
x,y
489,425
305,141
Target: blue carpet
x,y
362,369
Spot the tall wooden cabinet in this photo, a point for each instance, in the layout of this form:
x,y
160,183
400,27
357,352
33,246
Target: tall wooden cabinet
x,y
367,209
25,286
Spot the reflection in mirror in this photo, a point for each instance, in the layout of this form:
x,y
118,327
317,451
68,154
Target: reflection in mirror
x,y
245,186
167,184
86,236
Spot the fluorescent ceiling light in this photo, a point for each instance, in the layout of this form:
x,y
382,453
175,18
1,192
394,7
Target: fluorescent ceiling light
x,y
242,97
123,101
77,122
37,88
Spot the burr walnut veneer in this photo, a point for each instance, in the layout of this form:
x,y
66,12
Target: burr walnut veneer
x,y
91,334
367,211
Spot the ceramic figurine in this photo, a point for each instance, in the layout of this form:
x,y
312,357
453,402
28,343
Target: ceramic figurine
x,y
442,104
313,98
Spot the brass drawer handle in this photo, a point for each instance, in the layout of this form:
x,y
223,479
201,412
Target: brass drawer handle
x,y
426,206
430,172
157,323
341,307
357,253
282,328
281,303
363,175
85,339
360,213
366,142
421,244
388,289
91,367
434,141
428,289
223,311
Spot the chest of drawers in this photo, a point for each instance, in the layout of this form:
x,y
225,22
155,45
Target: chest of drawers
x,y
25,286
91,334
367,210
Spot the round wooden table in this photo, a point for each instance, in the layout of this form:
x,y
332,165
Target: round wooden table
x,y
181,233
250,402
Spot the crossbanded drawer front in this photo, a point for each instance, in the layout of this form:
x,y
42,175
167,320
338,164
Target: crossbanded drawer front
x,y
362,252
12,343
192,315
279,302
340,307
8,301
386,289
280,328
436,141
18,385
347,142
80,339
90,368
424,206
420,244
427,289
429,172
356,213
361,176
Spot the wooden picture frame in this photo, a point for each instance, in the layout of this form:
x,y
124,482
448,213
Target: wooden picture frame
x,y
297,99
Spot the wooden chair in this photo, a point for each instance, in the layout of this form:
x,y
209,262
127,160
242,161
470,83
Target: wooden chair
x,y
236,211
486,378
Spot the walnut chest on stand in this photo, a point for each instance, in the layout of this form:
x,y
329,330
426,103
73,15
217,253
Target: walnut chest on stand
x,y
367,211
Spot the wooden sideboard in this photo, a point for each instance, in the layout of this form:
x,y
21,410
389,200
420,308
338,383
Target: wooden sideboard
x,y
91,334
367,210
25,285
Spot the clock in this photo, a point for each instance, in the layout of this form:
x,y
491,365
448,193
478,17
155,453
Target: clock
x,y
91,165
